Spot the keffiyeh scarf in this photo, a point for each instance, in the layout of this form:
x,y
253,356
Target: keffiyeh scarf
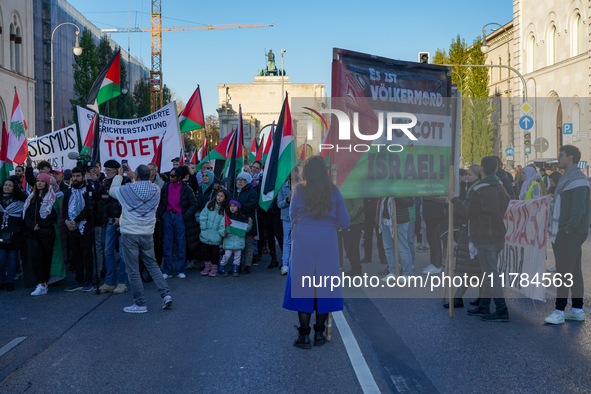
x,y
46,203
14,209
76,205
572,178
140,199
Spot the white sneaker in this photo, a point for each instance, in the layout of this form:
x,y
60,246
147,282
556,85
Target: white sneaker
x,y
166,276
182,276
167,302
40,290
135,309
551,269
284,270
555,318
427,268
385,278
433,270
571,315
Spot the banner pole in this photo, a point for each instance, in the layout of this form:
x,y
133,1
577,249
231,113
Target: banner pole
x,y
395,235
450,244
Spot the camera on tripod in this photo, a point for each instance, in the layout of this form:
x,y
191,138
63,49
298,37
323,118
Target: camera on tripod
x,y
84,162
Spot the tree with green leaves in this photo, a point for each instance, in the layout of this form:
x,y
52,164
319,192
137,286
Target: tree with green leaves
x,y
477,109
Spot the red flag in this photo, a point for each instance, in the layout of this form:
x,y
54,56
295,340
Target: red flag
x,y
63,122
157,159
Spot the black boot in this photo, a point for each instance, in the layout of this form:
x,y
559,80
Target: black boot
x,y
303,340
458,303
319,338
274,263
479,311
475,302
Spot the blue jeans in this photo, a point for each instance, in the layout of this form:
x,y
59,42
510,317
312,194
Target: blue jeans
x,y
174,234
7,264
286,242
404,256
113,238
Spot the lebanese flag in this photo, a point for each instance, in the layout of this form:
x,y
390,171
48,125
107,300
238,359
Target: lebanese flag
x,y
303,153
234,226
107,85
192,117
253,150
17,148
5,165
281,159
268,144
89,140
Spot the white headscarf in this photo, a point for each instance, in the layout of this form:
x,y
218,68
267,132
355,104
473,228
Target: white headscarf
x,y
530,176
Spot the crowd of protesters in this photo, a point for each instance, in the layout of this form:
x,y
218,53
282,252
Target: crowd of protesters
x,y
85,217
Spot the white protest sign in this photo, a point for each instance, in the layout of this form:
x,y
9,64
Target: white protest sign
x,y
54,147
137,140
525,247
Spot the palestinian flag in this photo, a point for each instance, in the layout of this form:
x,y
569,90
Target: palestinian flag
x,y
193,158
281,159
259,155
253,150
235,162
89,140
303,152
17,148
268,144
192,117
324,153
203,150
107,85
5,165
234,226
221,151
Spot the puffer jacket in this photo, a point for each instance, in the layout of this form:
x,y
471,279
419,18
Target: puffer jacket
x,y
249,201
464,264
282,201
212,226
233,241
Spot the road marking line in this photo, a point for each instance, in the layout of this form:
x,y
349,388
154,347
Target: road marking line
x,y
10,345
364,376
553,294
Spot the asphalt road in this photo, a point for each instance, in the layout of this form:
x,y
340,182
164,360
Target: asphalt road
x,y
231,335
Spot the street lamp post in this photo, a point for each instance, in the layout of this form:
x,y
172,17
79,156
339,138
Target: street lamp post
x,y
282,74
77,51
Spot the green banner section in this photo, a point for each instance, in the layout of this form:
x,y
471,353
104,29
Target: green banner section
x,y
416,172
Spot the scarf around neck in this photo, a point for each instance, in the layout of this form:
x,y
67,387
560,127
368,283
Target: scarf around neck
x,y
46,203
13,208
140,199
76,205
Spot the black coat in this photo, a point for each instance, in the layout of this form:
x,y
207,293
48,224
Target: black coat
x,y
464,264
111,208
188,208
204,197
249,201
433,211
32,217
91,212
507,184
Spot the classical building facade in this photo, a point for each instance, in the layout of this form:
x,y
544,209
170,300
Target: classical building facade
x,y
548,43
16,60
261,104
47,15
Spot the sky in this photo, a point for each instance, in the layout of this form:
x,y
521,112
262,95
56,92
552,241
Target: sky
x,y
307,30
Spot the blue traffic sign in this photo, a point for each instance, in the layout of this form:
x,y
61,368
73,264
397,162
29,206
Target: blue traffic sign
x,y
526,122
567,128
509,151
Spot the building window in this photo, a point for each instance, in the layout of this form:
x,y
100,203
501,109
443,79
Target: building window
x,y
552,46
531,53
576,33
12,48
18,50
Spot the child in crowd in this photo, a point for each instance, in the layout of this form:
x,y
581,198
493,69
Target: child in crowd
x,y
234,237
211,221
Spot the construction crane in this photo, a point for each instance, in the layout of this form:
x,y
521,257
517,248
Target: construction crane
x,y
156,85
